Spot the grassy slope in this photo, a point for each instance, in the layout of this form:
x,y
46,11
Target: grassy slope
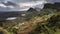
x,y
46,21
42,23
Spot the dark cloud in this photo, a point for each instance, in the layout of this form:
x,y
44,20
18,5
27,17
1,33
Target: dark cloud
x,y
9,3
15,4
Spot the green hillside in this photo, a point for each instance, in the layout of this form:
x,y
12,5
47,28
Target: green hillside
x,y
46,21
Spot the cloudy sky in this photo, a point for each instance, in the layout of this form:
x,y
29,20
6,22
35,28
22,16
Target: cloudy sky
x,y
22,5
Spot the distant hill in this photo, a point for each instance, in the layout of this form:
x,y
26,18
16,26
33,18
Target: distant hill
x,y
52,6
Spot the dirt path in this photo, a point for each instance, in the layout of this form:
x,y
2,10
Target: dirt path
x,y
31,25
